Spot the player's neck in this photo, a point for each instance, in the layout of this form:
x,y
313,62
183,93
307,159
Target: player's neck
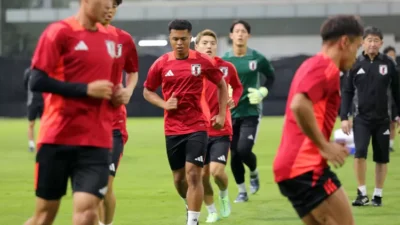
x,y
331,52
371,56
181,56
85,21
239,51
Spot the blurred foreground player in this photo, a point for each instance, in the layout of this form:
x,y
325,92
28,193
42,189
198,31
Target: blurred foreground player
x,y
219,140
301,164
249,64
72,66
35,109
126,60
181,74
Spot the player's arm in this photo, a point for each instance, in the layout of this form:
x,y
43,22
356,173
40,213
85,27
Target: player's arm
x,y
153,81
395,85
312,89
214,74
234,82
347,94
257,95
45,60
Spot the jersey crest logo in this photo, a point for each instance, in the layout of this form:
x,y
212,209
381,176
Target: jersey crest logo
x,y
119,50
253,65
383,69
111,49
196,69
224,70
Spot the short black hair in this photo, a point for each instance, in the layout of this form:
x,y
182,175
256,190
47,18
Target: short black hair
x,y
389,49
180,25
337,26
374,31
244,23
119,2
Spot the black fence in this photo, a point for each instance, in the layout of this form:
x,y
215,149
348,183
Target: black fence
x,y
13,95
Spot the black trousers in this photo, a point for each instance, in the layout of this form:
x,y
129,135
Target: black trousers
x,y
244,135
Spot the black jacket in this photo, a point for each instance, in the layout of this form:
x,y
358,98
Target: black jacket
x,y
369,84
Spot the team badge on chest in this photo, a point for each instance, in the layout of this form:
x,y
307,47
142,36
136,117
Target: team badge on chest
x,y
111,49
383,69
196,69
224,70
119,50
253,65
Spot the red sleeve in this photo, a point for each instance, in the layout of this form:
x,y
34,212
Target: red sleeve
x,y
235,83
49,48
212,72
314,84
154,77
131,62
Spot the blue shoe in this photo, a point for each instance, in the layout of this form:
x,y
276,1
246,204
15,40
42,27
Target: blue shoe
x,y
254,184
242,197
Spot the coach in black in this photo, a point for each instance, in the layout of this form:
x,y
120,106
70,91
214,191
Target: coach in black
x,y
369,82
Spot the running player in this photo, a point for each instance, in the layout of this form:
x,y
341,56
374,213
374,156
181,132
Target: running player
x,y
126,60
72,65
181,74
301,164
219,140
246,115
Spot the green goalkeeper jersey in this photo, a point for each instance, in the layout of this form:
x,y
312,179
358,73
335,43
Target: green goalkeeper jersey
x,y
249,68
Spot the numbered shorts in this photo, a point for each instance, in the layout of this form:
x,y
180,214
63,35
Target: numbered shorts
x,y
117,152
186,148
86,166
217,149
308,190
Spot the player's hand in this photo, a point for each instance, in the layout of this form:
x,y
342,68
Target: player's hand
x,y
346,127
257,95
121,96
335,153
218,122
231,103
102,89
172,103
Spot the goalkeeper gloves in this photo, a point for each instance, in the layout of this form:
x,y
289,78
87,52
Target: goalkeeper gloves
x,y
256,95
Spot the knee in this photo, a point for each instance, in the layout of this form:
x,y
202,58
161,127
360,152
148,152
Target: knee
x,y
44,218
87,216
244,149
205,173
179,180
217,172
194,177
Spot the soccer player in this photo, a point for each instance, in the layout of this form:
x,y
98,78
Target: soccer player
x,y
219,140
35,109
247,113
181,74
72,66
301,163
370,80
391,52
127,60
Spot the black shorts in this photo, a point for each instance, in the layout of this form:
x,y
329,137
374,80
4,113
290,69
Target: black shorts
x,y
86,166
217,150
307,191
393,112
379,131
117,151
244,133
186,148
35,111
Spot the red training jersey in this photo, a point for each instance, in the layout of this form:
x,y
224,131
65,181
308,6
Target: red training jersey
x,y
67,51
126,60
211,95
184,77
318,77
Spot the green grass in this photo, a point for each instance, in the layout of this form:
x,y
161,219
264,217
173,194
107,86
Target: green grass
x,y
144,188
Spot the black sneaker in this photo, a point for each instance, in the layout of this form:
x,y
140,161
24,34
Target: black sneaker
x,y
242,197
360,200
376,201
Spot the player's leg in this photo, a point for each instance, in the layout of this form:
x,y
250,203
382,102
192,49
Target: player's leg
x,y
362,135
208,190
219,156
237,166
380,146
175,146
392,135
32,113
107,206
89,183
196,147
248,133
51,179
